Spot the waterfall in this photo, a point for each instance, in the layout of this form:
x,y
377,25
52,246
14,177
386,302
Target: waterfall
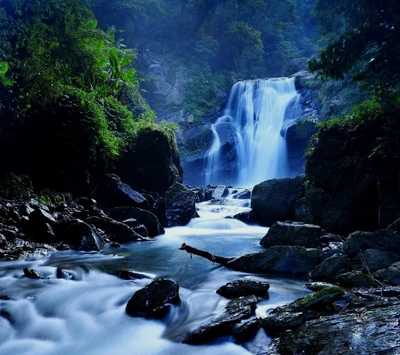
x,y
247,145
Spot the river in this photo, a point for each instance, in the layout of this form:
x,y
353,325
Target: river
x,y
87,315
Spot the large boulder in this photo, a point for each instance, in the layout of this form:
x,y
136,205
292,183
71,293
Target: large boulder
x,y
331,267
152,163
147,218
296,260
275,200
357,279
154,300
180,205
342,191
292,233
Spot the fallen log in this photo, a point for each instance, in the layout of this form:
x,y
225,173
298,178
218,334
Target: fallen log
x,y
205,254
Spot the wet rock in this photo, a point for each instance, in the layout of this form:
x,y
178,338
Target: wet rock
x,y
147,218
235,311
282,321
246,331
154,300
64,274
220,192
246,217
292,233
372,332
21,249
180,205
384,240
116,231
274,200
243,287
318,286
242,195
131,222
9,231
129,275
142,230
3,241
356,279
33,274
79,235
296,260
331,267
302,211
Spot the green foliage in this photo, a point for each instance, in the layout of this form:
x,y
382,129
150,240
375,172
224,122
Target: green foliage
x,y
3,70
368,41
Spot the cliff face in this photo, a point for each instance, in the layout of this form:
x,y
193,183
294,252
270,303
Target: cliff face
x,y
350,183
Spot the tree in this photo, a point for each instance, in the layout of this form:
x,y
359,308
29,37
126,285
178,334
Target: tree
x,y
369,42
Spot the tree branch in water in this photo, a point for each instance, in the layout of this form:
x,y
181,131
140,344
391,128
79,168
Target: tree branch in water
x,y
205,254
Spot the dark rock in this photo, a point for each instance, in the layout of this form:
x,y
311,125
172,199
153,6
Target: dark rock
x,y
274,200
152,163
131,222
64,274
9,231
235,311
116,231
356,279
246,331
21,249
303,212
292,233
243,287
86,202
220,191
79,235
246,217
331,267
373,332
113,192
342,190
390,275
3,241
242,195
318,286
395,226
282,321
180,205
378,259
154,300
129,275
142,230
147,218
32,274
295,260
384,240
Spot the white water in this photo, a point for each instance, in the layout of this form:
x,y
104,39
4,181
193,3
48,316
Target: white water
x,y
255,113
87,317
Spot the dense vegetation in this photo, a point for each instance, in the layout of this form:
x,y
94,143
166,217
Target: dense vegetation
x,y
216,42
70,100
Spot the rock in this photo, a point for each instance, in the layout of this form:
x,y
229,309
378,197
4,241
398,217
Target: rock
x,y
390,275
292,233
180,205
154,300
86,202
142,230
243,287
318,286
21,249
296,260
79,235
131,222
369,333
384,240
246,217
395,226
157,173
116,231
246,331
147,218
242,195
274,200
356,279
235,311
302,211
129,275
113,192
378,259
220,192
9,231
32,274
342,191
64,274
331,267
282,321
3,241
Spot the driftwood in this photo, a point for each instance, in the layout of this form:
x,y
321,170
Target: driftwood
x,y
205,254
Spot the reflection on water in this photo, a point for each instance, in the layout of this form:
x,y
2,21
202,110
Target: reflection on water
x,y
87,316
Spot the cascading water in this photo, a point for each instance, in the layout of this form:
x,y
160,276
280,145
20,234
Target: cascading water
x,y
247,143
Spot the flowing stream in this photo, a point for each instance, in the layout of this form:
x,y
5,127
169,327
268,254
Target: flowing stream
x,y
87,315
252,123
